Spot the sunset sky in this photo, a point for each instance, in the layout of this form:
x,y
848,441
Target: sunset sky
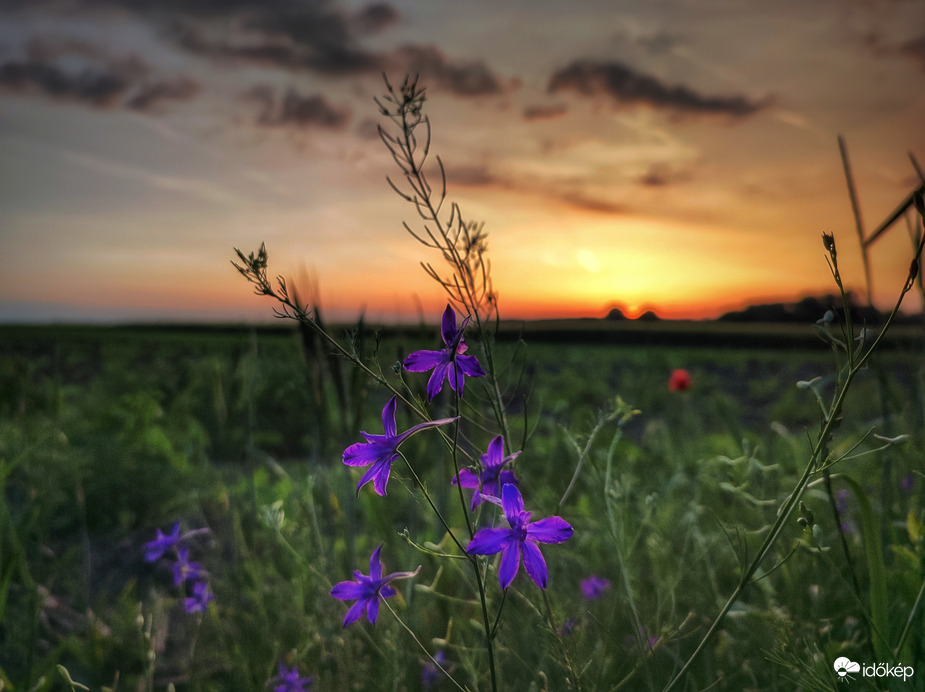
x,y
675,155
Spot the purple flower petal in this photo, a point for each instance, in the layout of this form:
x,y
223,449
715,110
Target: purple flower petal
x,y
348,590
435,383
422,361
388,417
512,502
162,542
535,564
362,453
354,612
549,530
381,450
467,479
470,366
489,541
449,363
510,563
367,590
494,455
375,564
199,601
448,329
372,610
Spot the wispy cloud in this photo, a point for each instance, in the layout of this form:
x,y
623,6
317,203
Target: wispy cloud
x,y
572,192
629,88
202,190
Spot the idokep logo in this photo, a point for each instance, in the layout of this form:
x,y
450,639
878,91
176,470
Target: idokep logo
x,y
844,667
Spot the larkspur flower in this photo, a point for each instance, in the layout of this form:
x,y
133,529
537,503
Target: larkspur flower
x,y
449,363
367,590
382,450
289,680
679,381
648,642
155,549
202,596
593,587
431,675
492,477
519,540
905,485
184,569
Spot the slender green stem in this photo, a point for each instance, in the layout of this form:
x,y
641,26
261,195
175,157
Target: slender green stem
x,y
455,447
573,674
831,421
430,501
423,648
486,623
908,627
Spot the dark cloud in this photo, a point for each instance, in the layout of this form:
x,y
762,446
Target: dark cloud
x,y
545,112
374,18
316,38
630,88
149,96
93,87
295,110
471,78
81,72
915,49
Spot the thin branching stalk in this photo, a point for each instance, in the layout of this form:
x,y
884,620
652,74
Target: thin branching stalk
x,y
461,244
816,459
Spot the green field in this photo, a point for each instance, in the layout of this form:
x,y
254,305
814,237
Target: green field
x,y
108,434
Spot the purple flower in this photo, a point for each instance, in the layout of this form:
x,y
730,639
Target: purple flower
x,y
448,363
184,569
431,673
594,587
155,549
905,485
648,642
290,681
489,480
199,601
520,539
382,450
366,590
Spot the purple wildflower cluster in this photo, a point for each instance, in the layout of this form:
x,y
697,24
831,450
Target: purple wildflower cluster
x,y
520,540
289,680
186,572
488,481
493,482
367,590
449,363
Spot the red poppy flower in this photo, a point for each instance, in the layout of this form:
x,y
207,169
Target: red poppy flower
x,y
679,381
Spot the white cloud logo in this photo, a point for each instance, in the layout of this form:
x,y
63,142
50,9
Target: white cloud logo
x,y
845,665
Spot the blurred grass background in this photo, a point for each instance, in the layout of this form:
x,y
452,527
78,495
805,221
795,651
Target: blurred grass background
x,y
107,433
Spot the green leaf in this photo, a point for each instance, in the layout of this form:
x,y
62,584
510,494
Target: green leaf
x,y
876,571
